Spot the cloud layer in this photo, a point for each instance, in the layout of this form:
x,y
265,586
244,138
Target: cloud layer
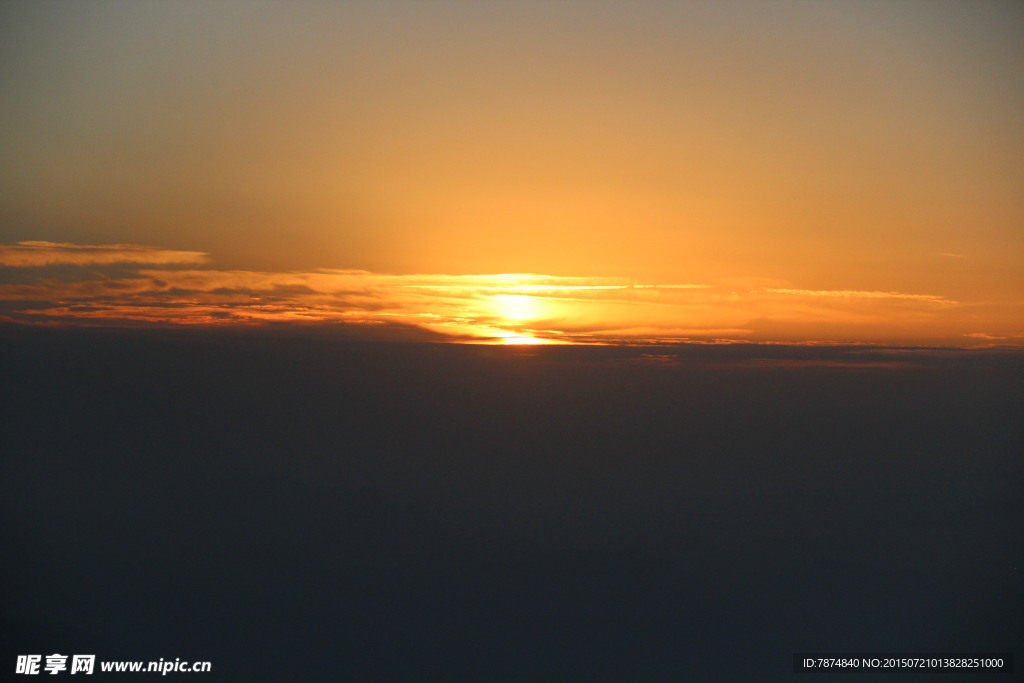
x,y
33,254
137,285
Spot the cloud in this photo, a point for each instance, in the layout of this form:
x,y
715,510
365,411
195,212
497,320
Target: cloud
x,y
53,289
490,308
34,254
1005,339
860,294
797,363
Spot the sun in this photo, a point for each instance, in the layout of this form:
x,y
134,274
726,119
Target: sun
x,y
516,306
522,341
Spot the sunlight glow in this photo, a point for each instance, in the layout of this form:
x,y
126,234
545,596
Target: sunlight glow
x,y
516,306
518,341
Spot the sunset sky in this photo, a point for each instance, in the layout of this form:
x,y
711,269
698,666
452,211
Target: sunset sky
x,y
511,340
518,171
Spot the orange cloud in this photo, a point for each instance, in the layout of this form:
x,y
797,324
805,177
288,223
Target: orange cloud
x,y
861,294
29,254
522,307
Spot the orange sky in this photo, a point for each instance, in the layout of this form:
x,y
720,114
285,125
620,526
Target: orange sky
x,y
829,171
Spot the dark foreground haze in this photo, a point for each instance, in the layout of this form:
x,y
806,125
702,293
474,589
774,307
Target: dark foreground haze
x,y
299,507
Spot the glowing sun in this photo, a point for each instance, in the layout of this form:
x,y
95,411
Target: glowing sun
x,y
516,306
